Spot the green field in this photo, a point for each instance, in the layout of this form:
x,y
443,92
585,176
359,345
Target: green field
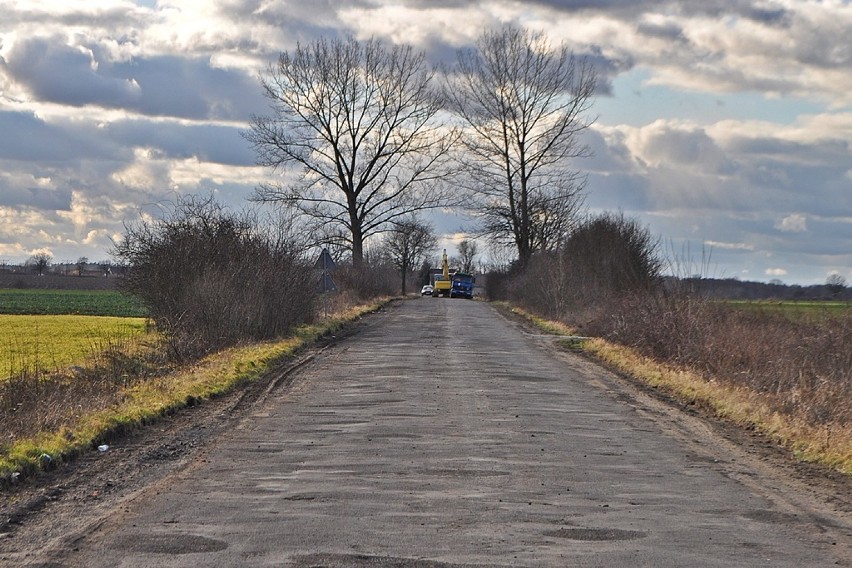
x,y
66,302
29,343
805,309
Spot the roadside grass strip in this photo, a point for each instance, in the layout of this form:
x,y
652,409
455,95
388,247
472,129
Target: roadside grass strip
x,y
828,445
149,400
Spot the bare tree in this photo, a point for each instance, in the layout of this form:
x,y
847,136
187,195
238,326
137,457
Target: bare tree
x,y
523,104
835,283
408,245
40,261
468,249
81,265
356,121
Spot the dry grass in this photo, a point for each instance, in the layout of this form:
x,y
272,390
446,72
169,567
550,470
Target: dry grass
x,y
803,365
827,444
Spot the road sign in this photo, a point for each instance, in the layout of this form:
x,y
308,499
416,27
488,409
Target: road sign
x,y
326,284
325,262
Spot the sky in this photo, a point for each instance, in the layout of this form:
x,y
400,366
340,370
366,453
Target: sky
x,y
724,126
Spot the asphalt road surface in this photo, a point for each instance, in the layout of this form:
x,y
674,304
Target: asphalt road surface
x,y
444,434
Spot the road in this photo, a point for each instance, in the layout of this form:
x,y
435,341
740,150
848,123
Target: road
x,y
444,434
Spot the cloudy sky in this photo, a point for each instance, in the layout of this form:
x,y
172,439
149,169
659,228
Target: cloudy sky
x,y
724,125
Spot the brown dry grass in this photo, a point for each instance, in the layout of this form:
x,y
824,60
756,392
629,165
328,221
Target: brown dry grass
x,y
829,444
802,365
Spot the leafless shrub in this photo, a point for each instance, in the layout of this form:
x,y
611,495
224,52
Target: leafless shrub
x,y
373,279
605,281
210,278
606,258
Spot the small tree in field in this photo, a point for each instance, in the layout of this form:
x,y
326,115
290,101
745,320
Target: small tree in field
x,y
408,245
81,265
40,261
835,284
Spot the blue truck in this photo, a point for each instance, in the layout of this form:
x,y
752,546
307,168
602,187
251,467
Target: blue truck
x,y
462,285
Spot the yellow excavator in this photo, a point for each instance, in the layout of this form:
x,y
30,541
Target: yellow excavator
x,y
443,285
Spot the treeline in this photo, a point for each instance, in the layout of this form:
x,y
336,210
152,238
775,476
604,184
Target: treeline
x,y
733,289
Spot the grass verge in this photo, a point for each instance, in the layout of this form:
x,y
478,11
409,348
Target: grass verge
x,y
145,401
826,445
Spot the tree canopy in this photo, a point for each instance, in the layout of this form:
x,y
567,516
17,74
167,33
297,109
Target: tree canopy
x,y
354,127
523,104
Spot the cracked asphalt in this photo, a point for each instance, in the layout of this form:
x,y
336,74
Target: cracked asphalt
x,y
443,434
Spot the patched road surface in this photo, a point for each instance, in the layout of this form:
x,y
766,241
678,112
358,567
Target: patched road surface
x,y
445,435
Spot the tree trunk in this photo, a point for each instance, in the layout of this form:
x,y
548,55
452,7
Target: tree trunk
x,y
357,245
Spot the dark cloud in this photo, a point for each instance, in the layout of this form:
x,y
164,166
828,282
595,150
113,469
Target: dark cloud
x,y
826,152
191,88
207,142
35,198
618,192
669,31
768,16
56,72
691,148
85,14
30,139
156,86
606,68
714,8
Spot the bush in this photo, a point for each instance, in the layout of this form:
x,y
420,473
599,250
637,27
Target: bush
x,y
210,278
371,280
606,258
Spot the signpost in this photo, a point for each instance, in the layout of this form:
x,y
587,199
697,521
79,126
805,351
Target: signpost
x,y
326,284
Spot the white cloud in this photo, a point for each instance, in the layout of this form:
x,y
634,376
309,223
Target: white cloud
x,y
794,223
776,272
729,246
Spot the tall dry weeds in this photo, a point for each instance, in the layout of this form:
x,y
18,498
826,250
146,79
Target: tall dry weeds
x,y
34,400
804,363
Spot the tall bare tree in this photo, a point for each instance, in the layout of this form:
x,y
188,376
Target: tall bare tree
x,y
409,244
468,249
835,283
524,106
356,121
